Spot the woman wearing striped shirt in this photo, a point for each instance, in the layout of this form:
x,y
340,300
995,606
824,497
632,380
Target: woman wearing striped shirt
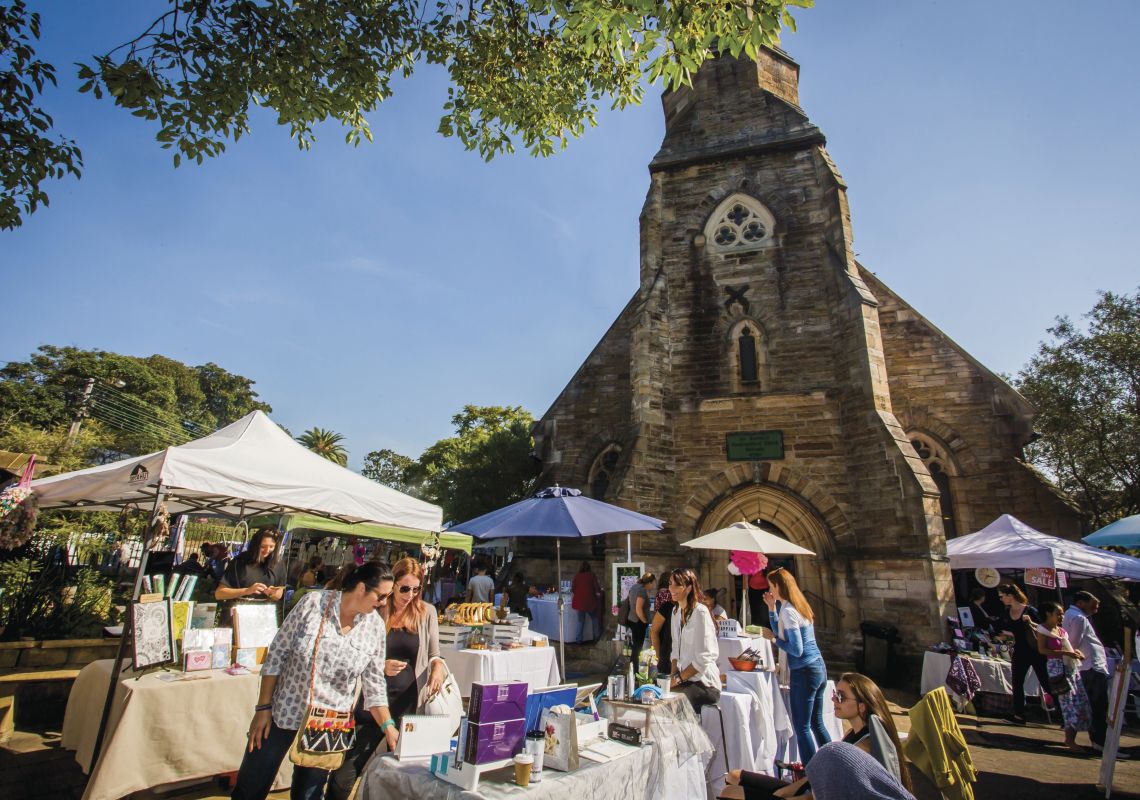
x,y
792,618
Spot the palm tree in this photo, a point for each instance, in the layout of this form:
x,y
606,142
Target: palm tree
x,y
326,444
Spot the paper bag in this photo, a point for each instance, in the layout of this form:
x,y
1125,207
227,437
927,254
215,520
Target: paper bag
x,y
561,728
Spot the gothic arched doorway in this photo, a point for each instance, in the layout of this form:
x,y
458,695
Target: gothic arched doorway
x,y
823,577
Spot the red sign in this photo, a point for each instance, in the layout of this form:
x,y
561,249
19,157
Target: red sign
x,y
1045,577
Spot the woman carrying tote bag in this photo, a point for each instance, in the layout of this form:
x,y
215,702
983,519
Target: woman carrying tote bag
x,y
413,668
329,645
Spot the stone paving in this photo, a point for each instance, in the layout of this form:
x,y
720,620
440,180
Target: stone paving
x,y
1015,762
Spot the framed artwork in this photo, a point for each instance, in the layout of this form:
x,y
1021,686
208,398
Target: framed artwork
x,y
966,616
255,624
624,576
153,634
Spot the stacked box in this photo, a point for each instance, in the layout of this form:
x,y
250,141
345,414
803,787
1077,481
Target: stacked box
x,y
454,636
497,702
503,633
493,741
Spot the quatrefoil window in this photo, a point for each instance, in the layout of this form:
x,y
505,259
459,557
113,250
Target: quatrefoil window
x,y
740,223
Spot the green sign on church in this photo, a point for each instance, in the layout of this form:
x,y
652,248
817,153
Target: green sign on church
x,y
754,445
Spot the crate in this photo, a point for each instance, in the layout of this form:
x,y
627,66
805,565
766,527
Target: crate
x,y
454,636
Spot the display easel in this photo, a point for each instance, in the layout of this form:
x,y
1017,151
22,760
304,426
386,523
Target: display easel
x,y
1117,699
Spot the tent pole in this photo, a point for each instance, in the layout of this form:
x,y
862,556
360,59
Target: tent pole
x,y
561,602
628,547
116,666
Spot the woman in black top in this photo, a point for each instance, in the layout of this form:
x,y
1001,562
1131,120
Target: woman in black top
x,y
661,631
254,574
1020,620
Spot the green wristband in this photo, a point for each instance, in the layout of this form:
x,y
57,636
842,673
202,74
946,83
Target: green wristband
x,y
386,723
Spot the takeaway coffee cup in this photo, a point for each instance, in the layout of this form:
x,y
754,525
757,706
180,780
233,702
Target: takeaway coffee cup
x,y
524,763
664,683
536,747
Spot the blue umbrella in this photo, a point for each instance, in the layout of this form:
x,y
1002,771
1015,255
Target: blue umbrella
x,y
1122,533
557,513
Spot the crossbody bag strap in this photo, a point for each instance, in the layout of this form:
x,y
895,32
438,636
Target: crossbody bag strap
x,y
320,632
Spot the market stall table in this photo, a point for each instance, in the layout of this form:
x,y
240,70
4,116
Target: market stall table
x,y
544,619
737,749
769,714
732,647
535,665
996,675
162,730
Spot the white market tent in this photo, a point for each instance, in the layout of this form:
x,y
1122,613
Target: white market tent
x,y
1008,543
248,467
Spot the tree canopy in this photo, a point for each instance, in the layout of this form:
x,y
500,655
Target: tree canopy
x,y
1085,384
485,466
529,74
141,404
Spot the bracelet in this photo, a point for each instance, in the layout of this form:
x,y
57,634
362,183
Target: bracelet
x,y
386,723
265,707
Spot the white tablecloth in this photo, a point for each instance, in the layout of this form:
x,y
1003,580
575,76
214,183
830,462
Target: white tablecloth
x,y
544,613
767,708
731,648
535,665
160,732
741,731
996,675
386,778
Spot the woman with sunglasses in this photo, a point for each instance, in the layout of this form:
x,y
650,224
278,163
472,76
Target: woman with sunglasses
x,y
793,620
694,648
856,700
351,650
414,669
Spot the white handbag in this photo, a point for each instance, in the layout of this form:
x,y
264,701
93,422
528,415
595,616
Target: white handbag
x,y
447,702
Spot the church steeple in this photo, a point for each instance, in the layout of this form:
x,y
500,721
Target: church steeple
x,y
735,106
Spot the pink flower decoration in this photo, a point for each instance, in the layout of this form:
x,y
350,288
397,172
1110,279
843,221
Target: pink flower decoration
x,y
748,563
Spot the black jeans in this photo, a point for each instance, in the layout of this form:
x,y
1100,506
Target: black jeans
x,y
698,694
368,737
1096,687
637,634
1021,666
259,768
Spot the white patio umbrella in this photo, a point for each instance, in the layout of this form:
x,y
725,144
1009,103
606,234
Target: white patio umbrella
x,y
749,538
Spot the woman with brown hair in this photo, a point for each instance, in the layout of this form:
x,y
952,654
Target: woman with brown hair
x,y
1020,620
856,699
793,620
413,667
694,648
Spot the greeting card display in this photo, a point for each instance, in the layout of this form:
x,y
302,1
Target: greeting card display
x,y
153,634
255,624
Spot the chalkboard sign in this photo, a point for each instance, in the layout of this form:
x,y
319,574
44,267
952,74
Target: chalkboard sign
x,y
755,445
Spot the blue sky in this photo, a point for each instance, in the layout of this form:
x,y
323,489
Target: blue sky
x,y
989,149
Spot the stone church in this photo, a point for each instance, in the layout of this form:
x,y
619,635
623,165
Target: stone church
x,y
761,373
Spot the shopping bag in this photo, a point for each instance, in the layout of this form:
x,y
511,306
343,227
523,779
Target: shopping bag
x,y
561,729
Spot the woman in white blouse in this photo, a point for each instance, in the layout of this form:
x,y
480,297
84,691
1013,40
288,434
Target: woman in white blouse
x,y
351,650
694,653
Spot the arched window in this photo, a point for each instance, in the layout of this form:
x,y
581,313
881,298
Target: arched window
x,y
747,356
740,223
933,453
602,471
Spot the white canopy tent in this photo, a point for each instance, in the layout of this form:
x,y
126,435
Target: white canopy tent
x,y
1008,543
248,467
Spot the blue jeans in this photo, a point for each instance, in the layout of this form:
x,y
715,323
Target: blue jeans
x,y
808,685
259,768
582,617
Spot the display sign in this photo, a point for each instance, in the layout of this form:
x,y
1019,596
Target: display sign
x,y
1043,577
624,576
754,445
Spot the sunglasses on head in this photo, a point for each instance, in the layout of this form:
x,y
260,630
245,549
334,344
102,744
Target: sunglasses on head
x,y
406,589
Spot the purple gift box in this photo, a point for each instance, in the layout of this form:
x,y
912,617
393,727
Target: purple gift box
x,y
497,702
493,741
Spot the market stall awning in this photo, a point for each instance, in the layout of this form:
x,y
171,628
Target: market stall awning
x,y
1008,543
248,467
365,530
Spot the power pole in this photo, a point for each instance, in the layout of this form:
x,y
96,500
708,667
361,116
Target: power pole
x,y
81,412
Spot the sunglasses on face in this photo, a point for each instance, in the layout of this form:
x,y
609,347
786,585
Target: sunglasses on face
x,y
381,597
838,697
406,589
